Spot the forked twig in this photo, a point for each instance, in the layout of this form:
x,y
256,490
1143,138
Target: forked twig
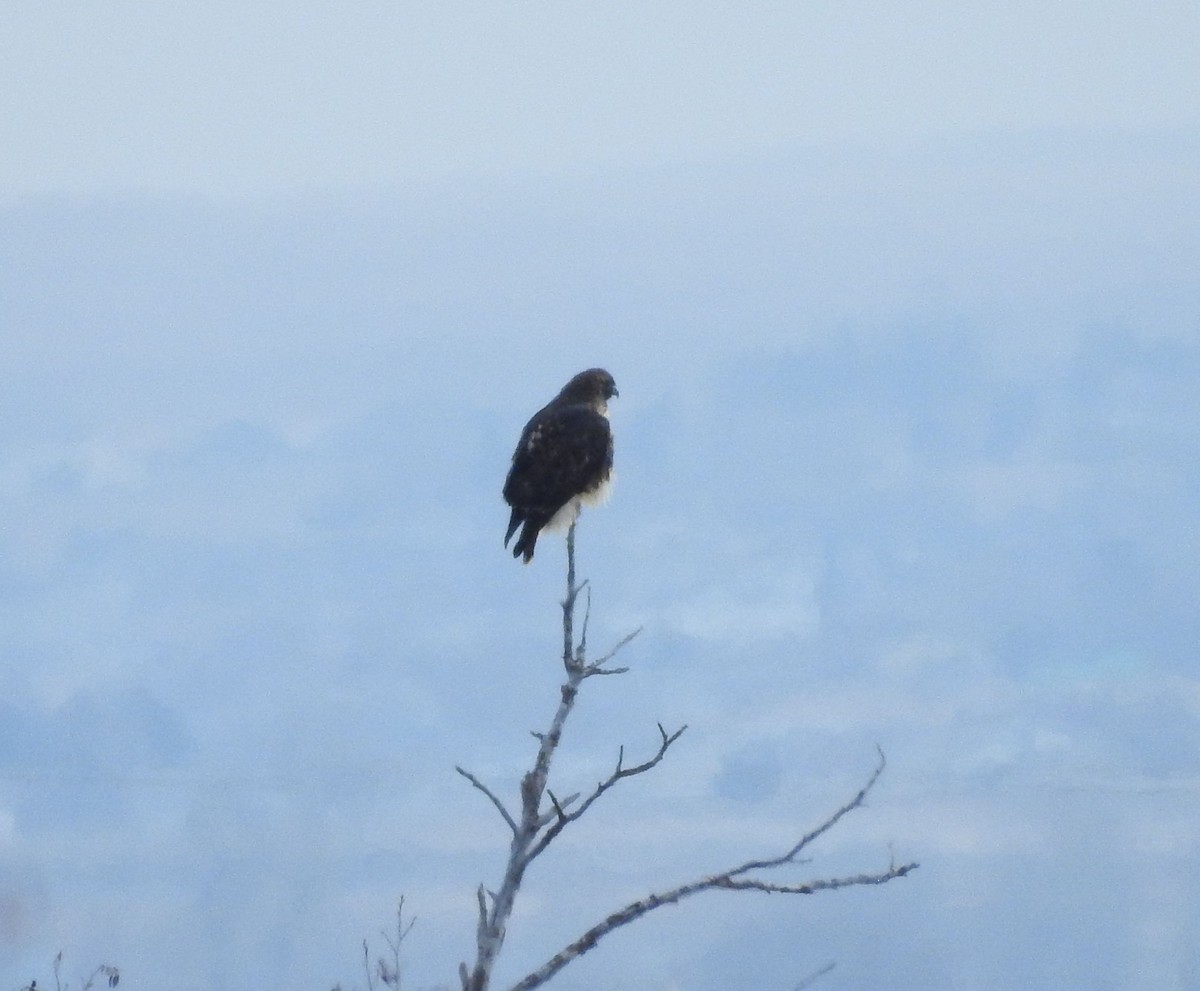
x,y
490,794
618,773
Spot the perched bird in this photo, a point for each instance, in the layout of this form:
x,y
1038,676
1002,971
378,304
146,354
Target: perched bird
x,y
563,460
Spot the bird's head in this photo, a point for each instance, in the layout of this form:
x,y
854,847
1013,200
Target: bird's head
x,y
595,387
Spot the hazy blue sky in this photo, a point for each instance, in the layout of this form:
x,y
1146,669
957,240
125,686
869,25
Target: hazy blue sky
x,y
904,307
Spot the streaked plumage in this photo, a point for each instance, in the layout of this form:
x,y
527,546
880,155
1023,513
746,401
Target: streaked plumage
x,y
562,461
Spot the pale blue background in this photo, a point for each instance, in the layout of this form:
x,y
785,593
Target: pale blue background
x,y
904,306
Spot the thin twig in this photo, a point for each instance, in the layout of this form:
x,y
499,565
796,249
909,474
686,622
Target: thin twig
x,y
401,929
581,650
490,794
597,667
815,976
481,903
553,813
828,824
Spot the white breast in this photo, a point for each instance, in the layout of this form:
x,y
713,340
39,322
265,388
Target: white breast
x,y
570,512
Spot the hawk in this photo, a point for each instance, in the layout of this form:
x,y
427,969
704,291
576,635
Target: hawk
x,y
563,460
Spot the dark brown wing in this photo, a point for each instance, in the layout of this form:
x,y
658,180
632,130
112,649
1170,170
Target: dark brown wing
x,y
563,452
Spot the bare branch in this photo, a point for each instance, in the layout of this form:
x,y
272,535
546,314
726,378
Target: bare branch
x,y
592,669
535,827
812,887
581,650
490,794
401,929
815,976
597,667
492,926
729,880
618,773
828,824
387,971
558,806
532,821
636,910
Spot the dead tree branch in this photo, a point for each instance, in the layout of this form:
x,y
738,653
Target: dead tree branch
x,y
734,879
387,971
603,786
535,828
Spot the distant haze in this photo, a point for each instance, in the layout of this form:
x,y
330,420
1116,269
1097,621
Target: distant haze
x,y
902,307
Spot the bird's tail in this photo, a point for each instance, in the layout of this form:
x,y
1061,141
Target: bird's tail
x,y
525,543
514,521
